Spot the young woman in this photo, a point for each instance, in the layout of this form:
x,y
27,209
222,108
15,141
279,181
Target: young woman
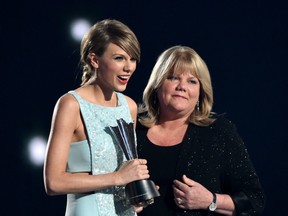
x,y
83,160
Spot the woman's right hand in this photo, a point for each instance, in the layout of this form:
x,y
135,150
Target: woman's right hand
x,y
132,170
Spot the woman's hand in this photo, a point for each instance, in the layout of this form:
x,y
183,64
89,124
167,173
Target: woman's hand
x,y
131,171
138,208
190,194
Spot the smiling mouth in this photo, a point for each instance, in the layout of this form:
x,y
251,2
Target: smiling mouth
x,y
123,79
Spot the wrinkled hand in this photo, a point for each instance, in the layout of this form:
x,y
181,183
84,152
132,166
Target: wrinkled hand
x,y
131,171
190,194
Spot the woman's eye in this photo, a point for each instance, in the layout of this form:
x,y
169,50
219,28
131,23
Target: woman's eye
x,y
193,81
119,58
172,77
133,59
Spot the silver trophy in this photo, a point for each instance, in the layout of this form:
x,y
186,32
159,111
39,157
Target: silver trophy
x,y
140,192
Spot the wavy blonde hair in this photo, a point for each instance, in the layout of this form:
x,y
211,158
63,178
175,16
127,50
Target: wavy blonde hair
x,y
97,39
178,58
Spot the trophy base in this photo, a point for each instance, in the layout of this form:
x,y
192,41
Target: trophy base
x,y
141,192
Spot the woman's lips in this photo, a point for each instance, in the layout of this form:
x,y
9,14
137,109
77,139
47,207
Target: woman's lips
x,y
123,79
179,96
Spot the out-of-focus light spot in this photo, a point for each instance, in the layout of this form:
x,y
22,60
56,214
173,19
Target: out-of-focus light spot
x,y
79,28
37,149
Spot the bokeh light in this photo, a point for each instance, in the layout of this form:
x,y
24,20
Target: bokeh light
x,y
78,28
36,150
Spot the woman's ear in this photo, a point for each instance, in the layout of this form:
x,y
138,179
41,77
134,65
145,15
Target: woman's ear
x,y
94,60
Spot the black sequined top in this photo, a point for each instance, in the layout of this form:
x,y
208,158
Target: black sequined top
x,y
215,156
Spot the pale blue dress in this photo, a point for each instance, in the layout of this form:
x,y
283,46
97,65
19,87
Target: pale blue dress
x,y
99,154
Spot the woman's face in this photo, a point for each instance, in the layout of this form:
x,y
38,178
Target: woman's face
x,y
179,93
115,68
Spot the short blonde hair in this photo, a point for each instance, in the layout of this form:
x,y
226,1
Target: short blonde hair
x,y
174,59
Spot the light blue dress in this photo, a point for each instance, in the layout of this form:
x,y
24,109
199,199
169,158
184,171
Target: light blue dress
x,y
99,154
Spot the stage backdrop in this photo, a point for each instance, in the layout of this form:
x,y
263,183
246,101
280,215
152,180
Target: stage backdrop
x,y
244,44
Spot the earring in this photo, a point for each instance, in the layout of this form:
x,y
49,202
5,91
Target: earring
x,y
197,106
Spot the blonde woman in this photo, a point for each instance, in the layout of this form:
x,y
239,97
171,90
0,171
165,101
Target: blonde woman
x,y
83,161
196,157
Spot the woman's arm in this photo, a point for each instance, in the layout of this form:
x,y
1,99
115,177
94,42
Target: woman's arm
x,y
65,122
240,179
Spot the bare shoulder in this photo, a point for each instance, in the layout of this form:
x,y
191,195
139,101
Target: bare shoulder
x,y
131,103
67,102
133,108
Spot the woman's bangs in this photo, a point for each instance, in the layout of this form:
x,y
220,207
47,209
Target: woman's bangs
x,y
181,67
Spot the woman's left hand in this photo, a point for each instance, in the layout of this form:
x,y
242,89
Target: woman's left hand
x,y
138,208
190,194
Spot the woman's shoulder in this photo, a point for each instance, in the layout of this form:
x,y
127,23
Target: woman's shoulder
x,y
67,101
221,129
130,101
221,122
223,126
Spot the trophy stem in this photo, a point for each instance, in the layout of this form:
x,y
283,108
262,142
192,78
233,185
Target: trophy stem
x,y
140,192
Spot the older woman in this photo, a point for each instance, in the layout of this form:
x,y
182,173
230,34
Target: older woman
x,y
196,157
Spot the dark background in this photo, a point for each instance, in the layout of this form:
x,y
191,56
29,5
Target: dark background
x,y
244,44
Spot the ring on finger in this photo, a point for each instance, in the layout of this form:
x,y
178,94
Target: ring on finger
x,y
179,201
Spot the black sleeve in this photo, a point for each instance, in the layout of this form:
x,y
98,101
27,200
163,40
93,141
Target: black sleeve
x,y
240,180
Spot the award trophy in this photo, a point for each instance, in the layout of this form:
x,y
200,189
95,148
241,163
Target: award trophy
x,y
140,192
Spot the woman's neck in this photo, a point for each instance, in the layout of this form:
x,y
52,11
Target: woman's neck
x,y
168,133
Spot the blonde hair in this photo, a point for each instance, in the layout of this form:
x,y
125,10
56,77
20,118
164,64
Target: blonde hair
x,y
97,39
171,60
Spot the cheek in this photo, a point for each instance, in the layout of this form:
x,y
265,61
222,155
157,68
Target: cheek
x,y
167,87
164,96
161,94
194,92
133,68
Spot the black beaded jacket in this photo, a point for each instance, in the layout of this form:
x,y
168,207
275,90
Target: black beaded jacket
x,y
216,157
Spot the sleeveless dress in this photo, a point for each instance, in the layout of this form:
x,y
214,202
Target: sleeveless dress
x,y
99,154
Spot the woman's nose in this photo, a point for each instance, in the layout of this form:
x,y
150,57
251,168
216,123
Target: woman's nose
x,y
128,67
181,86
